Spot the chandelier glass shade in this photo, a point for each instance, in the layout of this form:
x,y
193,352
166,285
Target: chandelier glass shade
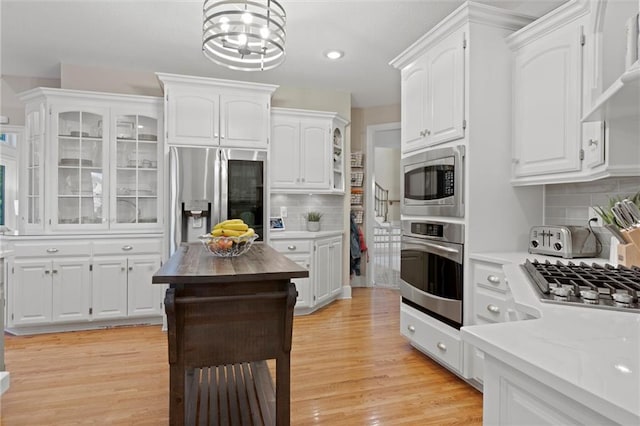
x,y
244,35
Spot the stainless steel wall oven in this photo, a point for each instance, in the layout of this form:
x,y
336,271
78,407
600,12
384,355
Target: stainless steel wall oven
x,y
431,269
432,183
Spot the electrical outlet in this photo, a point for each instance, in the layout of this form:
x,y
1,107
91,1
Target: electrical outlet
x,y
283,211
592,213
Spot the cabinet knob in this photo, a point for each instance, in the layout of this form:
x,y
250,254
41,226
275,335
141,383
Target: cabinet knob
x,y
46,271
442,346
52,250
122,268
127,248
427,132
291,247
593,142
131,268
493,279
302,179
411,328
493,309
515,161
55,271
422,134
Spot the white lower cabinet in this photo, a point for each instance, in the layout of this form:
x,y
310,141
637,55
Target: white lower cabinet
x,y
70,284
47,291
322,256
492,303
429,335
514,398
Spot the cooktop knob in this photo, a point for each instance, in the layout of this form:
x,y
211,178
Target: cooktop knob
x,y
623,298
557,246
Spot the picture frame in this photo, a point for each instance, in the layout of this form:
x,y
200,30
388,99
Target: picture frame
x,y
276,223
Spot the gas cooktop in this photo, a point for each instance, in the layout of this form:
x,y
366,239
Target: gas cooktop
x,y
594,285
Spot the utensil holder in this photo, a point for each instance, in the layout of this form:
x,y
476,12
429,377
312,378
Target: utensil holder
x,y
628,255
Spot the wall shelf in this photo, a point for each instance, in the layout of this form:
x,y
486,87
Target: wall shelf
x,y
620,100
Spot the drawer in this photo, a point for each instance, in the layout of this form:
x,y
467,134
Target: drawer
x,y
291,246
490,276
431,336
127,246
493,308
53,249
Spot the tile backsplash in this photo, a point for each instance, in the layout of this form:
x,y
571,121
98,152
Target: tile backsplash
x,y
568,204
331,207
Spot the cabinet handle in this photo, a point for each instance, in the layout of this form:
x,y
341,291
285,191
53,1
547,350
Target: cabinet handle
x,y
127,248
493,309
442,346
593,142
411,328
493,279
291,247
52,250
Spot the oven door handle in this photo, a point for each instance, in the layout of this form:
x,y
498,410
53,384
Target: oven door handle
x,y
429,247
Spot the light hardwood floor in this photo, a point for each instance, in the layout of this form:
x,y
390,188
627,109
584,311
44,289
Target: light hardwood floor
x,y
349,366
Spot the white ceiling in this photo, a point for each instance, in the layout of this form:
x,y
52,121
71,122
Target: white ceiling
x,y
165,35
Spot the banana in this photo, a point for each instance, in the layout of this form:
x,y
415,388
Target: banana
x,y
231,232
248,233
236,226
228,222
216,232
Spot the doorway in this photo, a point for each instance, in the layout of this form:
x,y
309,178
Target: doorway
x,y
382,204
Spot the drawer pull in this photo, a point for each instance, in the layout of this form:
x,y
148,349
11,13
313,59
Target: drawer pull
x,y
442,346
127,248
411,328
493,309
52,250
493,279
291,247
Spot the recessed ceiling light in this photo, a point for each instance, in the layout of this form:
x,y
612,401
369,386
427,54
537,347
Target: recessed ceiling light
x,y
334,54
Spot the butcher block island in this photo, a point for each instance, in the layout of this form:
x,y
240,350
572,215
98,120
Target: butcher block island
x,y
226,317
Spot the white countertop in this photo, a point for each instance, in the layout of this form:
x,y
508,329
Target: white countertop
x,y
283,235
591,355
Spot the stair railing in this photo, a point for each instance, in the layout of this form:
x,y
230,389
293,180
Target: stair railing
x,y
381,202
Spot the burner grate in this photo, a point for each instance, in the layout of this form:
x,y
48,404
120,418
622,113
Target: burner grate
x,y
588,284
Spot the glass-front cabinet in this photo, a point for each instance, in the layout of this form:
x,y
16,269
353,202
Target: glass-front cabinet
x,y
137,158
80,152
93,162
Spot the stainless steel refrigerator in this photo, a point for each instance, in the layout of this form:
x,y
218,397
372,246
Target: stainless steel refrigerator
x,y
208,185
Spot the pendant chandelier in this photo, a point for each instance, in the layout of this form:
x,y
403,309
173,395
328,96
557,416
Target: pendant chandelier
x,y
244,35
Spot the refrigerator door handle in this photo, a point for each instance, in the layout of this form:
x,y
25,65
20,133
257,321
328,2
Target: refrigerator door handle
x,y
175,209
222,195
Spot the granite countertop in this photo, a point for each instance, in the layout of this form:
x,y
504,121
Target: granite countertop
x,y
591,355
193,264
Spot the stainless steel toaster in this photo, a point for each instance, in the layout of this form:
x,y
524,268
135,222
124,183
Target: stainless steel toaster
x,y
563,241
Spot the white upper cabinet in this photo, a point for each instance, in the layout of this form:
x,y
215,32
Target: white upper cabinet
x,y
564,129
92,162
546,103
306,151
432,100
210,112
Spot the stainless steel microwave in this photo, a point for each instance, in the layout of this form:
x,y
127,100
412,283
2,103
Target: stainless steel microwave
x,y
432,183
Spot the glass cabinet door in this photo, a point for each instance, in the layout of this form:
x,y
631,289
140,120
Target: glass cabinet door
x,y
338,160
80,160
136,181
32,209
